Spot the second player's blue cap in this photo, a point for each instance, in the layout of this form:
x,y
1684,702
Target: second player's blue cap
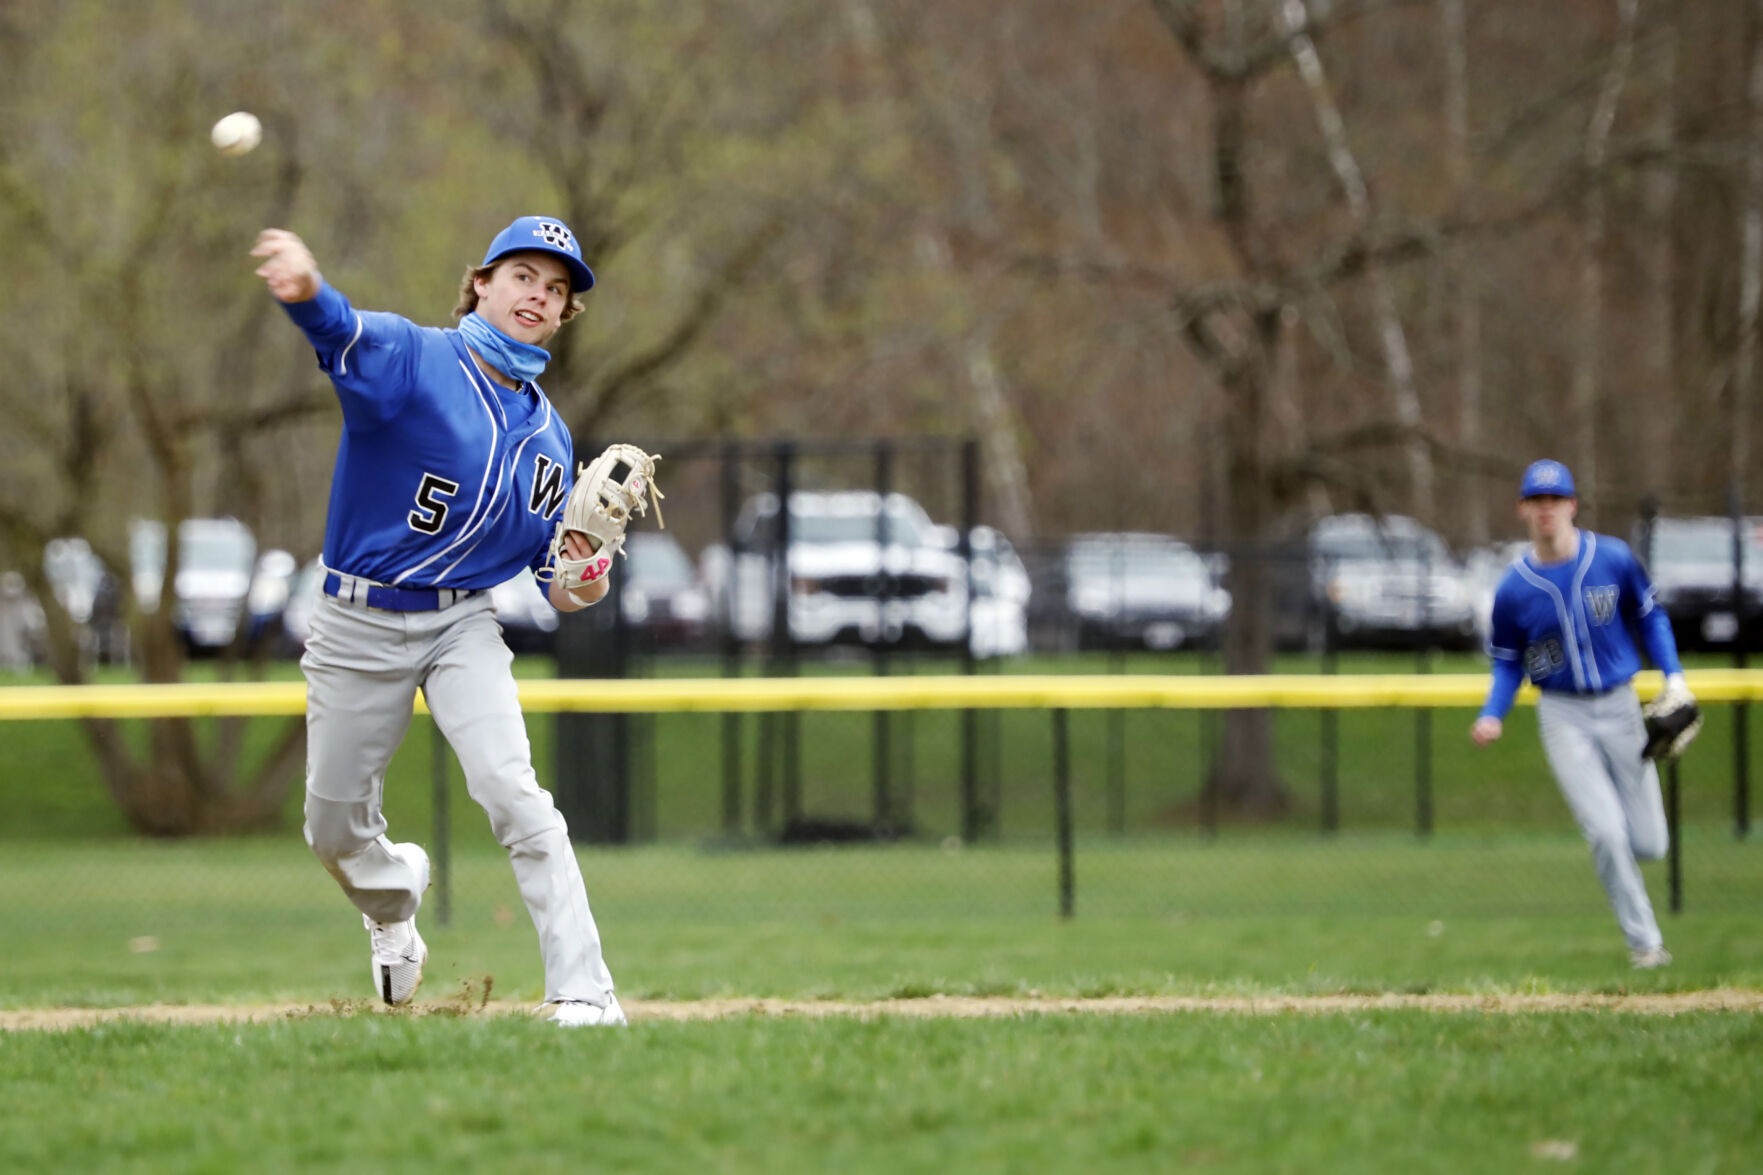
x,y
546,234
1546,479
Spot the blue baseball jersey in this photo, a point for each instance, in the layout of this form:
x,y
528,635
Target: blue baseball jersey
x,y
444,478
1570,626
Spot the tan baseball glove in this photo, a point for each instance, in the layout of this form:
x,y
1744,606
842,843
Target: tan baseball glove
x,y
610,489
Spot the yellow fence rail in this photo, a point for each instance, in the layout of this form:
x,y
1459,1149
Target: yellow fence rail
x,y
986,691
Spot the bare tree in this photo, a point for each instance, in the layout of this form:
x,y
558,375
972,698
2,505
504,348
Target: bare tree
x,y
1465,284
1658,199
602,134
1398,362
1236,326
1589,350
1744,390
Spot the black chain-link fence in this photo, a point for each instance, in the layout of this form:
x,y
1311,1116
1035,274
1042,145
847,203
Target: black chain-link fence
x,y
850,559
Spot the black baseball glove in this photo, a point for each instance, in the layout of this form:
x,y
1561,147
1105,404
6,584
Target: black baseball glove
x,y
1673,721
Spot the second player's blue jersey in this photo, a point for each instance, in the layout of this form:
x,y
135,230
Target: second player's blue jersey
x,y
444,478
1570,626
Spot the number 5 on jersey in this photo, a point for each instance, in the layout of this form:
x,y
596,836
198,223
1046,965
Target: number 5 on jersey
x,y
431,512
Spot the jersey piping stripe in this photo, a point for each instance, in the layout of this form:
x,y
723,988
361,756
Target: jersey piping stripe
x,y
343,359
549,420
500,410
1589,547
513,463
480,509
475,521
1496,651
1536,580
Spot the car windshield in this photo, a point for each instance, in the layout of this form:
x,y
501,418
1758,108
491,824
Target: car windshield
x,y
1375,546
854,528
67,561
214,551
1147,560
1711,543
199,548
662,562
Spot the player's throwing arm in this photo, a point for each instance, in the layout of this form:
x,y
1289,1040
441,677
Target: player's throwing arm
x,y
288,266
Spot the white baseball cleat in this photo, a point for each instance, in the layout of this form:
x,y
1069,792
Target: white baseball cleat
x,y
398,956
581,1014
398,950
1648,958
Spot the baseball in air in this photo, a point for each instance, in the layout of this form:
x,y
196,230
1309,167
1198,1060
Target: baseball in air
x,y
237,133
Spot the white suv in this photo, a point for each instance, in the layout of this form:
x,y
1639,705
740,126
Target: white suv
x,y
860,570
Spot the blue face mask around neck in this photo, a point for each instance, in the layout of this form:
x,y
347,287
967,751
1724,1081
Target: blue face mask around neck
x,y
513,358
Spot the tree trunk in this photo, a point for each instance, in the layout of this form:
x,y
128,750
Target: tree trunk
x,y
1589,343
1465,286
1005,468
1750,266
1398,360
1656,449
1659,349
1244,781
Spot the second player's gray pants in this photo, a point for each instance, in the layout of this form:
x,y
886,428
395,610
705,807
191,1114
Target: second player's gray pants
x,y
363,668
1594,747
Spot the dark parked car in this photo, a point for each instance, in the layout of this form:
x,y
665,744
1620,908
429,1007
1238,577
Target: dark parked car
x,y
91,596
660,594
1691,563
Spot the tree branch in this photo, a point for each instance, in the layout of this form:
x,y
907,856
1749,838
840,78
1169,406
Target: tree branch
x,y
645,363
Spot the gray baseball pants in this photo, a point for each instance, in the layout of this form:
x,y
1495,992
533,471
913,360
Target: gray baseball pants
x,y
1594,747
363,667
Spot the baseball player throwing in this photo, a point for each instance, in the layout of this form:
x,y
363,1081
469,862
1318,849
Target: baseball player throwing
x,y
450,472
1562,617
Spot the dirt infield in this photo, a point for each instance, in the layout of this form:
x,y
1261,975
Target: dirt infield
x,y
640,1011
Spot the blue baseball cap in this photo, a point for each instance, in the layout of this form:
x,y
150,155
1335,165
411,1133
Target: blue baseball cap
x,y
1546,479
543,234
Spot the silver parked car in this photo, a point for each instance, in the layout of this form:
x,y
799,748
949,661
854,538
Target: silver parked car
x,y
860,570
224,589
215,559
1389,580
1149,591
1691,564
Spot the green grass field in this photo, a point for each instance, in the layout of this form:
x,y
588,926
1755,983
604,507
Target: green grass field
x,y
118,923
1371,1092
248,920
1500,899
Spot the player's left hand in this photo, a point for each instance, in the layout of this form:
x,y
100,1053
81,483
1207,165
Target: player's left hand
x,y
577,547
1672,720
576,544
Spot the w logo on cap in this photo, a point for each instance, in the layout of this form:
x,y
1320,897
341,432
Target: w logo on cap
x,y
1546,479
557,236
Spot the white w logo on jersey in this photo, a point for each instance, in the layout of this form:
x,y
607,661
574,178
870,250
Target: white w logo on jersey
x,y
1602,603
